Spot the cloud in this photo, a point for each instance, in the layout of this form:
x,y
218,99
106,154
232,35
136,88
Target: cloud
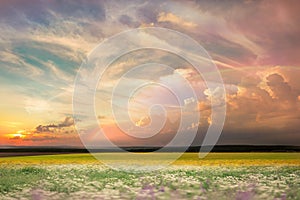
x,y
147,12
101,117
129,21
216,96
263,110
161,138
255,105
61,134
280,41
281,90
188,101
53,128
69,121
16,64
34,105
15,137
39,138
144,121
170,17
42,44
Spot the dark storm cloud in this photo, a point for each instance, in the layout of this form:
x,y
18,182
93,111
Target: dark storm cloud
x,y
221,48
254,102
274,25
41,12
262,135
258,115
77,9
219,7
271,27
281,89
148,12
129,21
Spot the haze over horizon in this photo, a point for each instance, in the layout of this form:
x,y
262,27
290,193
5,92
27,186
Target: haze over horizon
x,y
254,44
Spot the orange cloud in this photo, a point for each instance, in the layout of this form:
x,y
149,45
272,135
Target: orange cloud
x,y
170,17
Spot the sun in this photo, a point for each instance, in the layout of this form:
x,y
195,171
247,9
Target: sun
x,y
19,134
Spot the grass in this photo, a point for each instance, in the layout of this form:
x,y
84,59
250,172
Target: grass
x,y
15,179
217,176
85,181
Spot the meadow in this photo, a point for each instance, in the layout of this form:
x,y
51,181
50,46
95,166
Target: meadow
x,y
219,176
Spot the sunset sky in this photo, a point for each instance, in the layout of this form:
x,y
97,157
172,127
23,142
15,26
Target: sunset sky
x,y
254,44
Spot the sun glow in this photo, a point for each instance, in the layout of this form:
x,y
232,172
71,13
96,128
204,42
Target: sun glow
x,y
18,135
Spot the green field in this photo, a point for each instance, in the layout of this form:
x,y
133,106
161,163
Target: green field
x,y
247,159
219,176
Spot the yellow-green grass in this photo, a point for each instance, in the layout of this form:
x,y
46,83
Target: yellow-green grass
x,y
213,159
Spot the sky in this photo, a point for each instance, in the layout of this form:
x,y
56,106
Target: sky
x,y
254,44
